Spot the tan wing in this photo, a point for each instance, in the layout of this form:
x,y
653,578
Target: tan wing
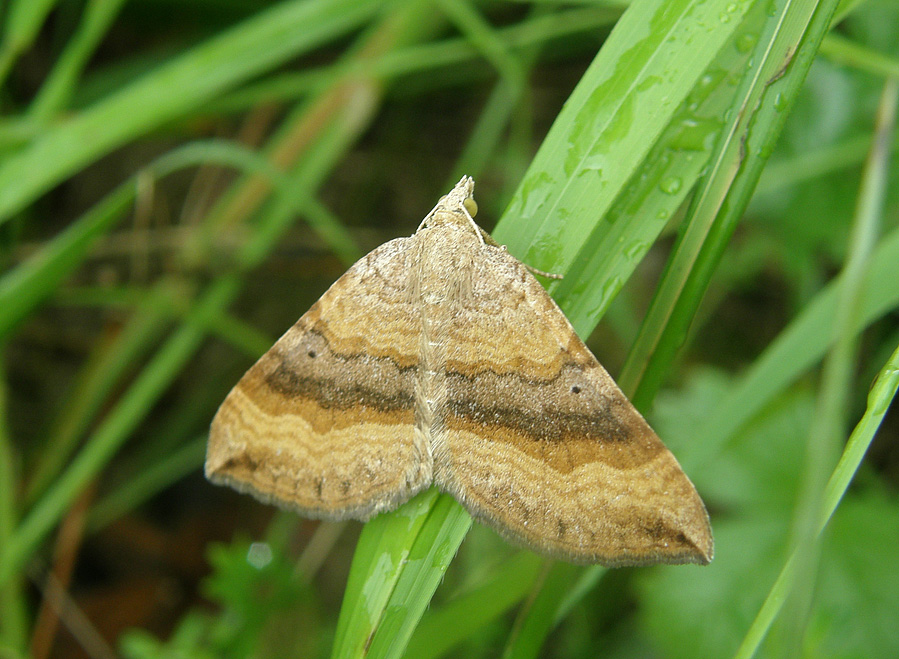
x,y
541,444
324,421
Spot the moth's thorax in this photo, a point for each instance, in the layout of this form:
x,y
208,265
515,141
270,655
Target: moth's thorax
x,y
446,265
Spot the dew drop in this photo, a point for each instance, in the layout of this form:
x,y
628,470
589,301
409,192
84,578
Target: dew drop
x,y
259,555
671,185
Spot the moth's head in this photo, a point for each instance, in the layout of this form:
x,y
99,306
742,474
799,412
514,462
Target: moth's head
x,y
456,205
461,195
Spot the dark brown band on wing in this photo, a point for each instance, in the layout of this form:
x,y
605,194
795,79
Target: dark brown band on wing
x,y
563,410
573,451
552,422
311,369
337,393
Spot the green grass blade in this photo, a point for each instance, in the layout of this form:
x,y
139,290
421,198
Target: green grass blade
x,y
101,374
22,21
380,552
430,555
13,603
563,588
600,141
609,250
848,53
115,429
882,394
62,81
325,150
177,87
393,559
164,366
540,616
831,409
148,483
444,627
505,98
249,162
596,96
522,226
483,37
23,288
780,61
880,397
419,58
814,163
797,349
243,336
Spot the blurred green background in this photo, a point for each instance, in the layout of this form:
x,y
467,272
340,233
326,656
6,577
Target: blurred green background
x,y
180,181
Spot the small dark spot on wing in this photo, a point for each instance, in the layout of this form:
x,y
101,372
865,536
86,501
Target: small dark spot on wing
x,y
657,531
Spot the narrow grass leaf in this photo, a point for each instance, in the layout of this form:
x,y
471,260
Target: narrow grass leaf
x,y
419,58
841,50
22,21
381,554
780,60
540,615
260,43
797,349
600,141
147,484
13,604
573,181
882,394
31,282
62,81
832,405
100,376
432,551
447,626
117,426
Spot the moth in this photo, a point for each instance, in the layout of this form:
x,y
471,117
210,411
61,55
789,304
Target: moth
x,y
439,359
